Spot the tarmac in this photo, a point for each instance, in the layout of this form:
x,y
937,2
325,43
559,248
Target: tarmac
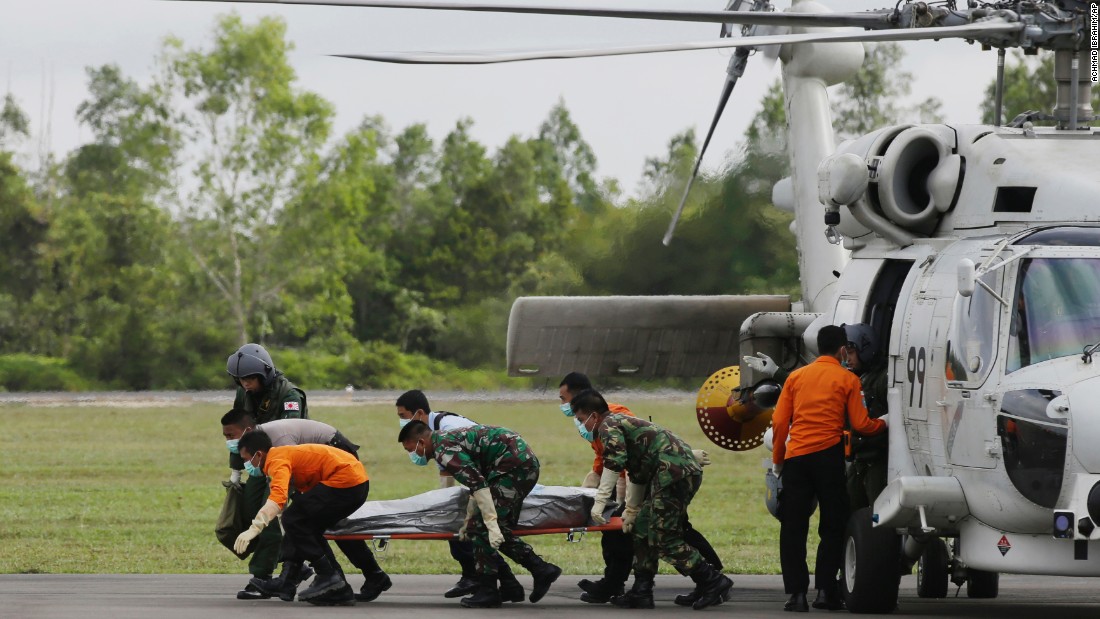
x,y
168,596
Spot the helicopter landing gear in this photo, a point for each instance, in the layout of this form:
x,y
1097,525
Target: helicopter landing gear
x,y
869,573
982,584
933,570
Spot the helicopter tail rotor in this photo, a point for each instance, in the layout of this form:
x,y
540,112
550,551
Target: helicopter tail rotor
x,y
728,415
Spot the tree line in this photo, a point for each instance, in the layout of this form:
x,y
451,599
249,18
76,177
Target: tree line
x,y
214,206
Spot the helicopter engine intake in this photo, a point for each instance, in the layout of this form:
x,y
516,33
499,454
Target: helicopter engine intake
x,y
912,178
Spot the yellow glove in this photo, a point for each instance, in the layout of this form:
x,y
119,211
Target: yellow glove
x,y
471,511
701,457
446,481
484,498
267,513
635,493
591,480
603,495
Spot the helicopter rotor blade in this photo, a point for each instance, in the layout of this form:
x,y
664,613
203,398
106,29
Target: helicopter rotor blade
x,y
998,32
870,19
734,72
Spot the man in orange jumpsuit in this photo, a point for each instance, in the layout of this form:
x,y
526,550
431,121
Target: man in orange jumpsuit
x,y
332,484
813,406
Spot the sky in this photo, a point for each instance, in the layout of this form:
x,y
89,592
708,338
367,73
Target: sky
x,y
627,108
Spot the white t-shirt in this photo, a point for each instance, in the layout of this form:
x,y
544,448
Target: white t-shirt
x,y
443,420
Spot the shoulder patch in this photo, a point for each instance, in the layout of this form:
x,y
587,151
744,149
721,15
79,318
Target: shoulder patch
x,y
291,406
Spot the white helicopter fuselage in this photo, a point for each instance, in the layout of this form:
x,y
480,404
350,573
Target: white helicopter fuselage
x,y
993,432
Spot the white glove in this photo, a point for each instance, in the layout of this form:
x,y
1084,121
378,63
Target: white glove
x,y
761,363
702,457
234,476
484,498
267,513
591,480
635,493
777,469
471,511
603,494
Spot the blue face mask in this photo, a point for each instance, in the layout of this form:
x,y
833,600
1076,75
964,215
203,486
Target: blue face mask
x,y
416,458
253,470
567,409
585,433
232,446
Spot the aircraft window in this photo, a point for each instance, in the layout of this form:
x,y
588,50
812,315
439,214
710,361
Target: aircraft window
x,y
970,350
1056,310
1087,236
1034,456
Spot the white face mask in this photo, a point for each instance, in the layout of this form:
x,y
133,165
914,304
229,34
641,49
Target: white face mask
x,y
403,422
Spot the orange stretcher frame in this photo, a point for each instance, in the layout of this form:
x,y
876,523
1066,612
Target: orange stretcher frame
x,y
615,524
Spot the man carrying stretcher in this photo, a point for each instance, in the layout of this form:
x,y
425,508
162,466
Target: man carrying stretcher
x,y
500,471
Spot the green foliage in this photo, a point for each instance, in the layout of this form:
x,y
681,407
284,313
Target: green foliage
x,y
14,122
377,365
23,372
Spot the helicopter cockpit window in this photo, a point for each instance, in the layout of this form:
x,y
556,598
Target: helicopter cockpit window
x,y
970,345
1055,311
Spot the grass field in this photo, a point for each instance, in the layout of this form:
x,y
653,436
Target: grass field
x,y
127,490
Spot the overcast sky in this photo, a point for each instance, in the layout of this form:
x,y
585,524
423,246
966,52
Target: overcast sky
x,y
627,107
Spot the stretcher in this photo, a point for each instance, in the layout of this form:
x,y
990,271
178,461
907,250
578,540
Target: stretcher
x,y
438,515
573,534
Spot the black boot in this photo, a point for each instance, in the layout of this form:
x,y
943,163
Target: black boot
x,y
465,586
711,585
640,595
251,592
510,589
543,573
828,599
343,596
599,591
328,579
284,585
486,596
373,586
797,603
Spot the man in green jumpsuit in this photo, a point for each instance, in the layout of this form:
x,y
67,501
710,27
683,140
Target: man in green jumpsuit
x,y
663,475
266,395
500,470
867,469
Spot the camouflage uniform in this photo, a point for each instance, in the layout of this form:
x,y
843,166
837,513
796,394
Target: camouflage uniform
x,y
495,458
663,462
867,471
278,400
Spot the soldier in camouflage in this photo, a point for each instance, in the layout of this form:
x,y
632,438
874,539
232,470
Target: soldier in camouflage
x,y
265,394
866,472
499,470
664,475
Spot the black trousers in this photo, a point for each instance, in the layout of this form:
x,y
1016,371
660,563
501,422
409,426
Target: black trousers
x,y
821,475
313,512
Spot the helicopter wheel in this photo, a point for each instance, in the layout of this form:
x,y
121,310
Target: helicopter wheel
x,y
869,577
982,584
932,570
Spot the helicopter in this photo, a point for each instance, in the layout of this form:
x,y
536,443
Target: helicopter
x,y
972,251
